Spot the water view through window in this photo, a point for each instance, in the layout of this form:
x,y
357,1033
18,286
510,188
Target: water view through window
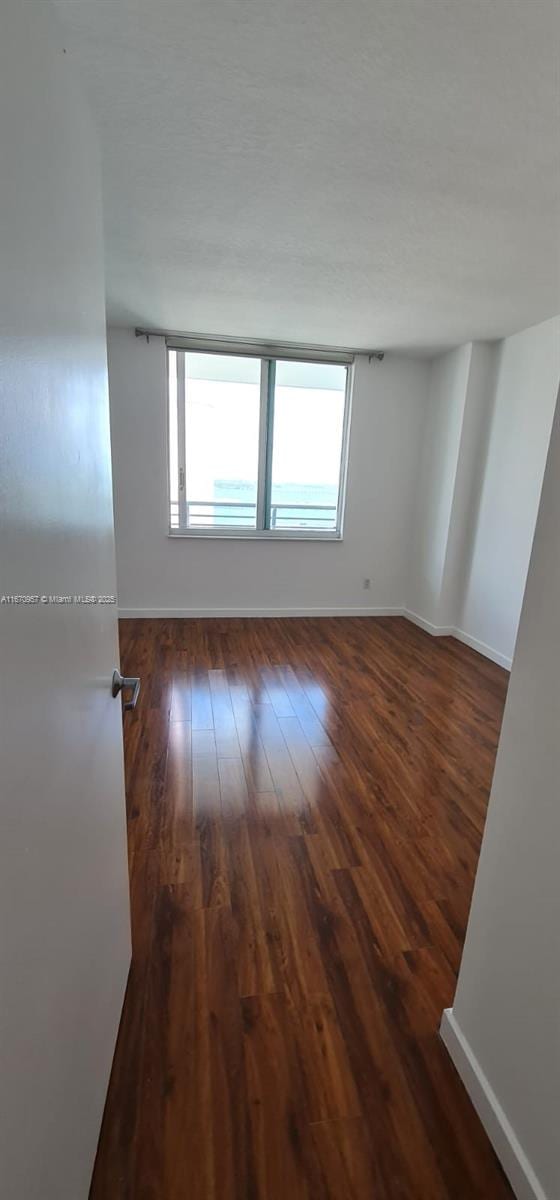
x,y
261,442
222,410
309,401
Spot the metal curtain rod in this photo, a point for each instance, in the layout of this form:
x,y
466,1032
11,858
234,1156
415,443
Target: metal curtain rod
x,y
204,341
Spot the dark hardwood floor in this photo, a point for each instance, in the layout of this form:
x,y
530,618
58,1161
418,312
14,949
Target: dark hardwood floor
x,y
306,800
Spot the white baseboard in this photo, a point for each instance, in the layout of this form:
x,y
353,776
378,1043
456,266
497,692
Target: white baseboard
x,y
435,630
260,612
508,1149
452,631
501,659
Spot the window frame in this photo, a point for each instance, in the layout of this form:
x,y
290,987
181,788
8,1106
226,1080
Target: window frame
x,y
266,438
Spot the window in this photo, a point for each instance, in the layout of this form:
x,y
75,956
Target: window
x,y
256,445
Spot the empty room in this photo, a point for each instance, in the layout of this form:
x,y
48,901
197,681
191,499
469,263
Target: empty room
x,y
279,594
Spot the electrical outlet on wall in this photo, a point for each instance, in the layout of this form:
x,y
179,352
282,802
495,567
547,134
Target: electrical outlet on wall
x,y
367,584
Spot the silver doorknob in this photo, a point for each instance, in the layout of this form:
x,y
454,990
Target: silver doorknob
x,y
121,681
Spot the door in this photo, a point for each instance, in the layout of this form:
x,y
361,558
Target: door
x,y
64,910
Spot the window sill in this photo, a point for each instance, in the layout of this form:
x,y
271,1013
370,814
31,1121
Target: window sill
x,y
257,535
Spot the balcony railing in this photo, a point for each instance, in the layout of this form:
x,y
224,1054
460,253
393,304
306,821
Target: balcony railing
x,y
234,514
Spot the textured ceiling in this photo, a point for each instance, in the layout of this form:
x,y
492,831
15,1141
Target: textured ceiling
x,y
361,172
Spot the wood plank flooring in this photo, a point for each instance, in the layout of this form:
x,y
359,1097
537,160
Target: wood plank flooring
x,y
306,800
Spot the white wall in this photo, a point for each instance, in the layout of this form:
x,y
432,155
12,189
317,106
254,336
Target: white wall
x,y
441,439
469,476
157,573
484,449
504,1028
528,372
